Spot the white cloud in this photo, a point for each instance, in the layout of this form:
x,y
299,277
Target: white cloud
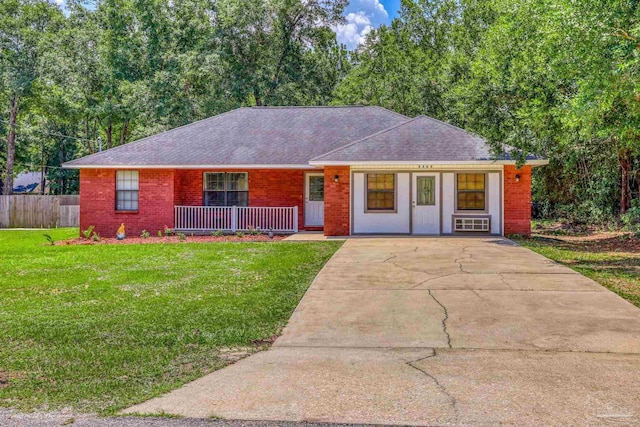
x,y
361,17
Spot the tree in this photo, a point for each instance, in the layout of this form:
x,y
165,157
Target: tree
x,y
23,24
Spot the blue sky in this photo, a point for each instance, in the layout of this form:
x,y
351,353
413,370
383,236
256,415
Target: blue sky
x,y
362,16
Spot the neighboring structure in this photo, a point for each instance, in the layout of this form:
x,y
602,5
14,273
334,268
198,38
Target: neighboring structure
x,y
344,170
29,183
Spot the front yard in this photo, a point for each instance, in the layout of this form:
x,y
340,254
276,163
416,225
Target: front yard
x,y
611,259
99,328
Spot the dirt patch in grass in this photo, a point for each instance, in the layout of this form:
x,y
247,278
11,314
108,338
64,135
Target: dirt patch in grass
x,y
611,259
597,241
171,239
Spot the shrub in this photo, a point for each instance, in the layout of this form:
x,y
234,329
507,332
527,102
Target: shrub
x,y
159,233
181,236
240,234
254,231
95,237
217,233
631,219
87,233
167,231
145,234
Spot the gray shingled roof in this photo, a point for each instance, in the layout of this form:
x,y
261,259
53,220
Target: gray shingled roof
x,y
420,139
246,136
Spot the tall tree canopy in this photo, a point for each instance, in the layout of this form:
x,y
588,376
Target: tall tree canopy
x,y
123,69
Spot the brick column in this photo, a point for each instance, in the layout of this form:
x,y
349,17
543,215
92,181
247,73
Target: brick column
x,y
517,200
337,199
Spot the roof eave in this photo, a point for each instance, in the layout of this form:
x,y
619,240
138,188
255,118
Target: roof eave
x,y
320,163
168,166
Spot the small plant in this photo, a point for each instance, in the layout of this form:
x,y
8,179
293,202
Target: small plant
x,y
254,231
167,231
145,234
88,232
217,233
95,237
181,236
49,239
159,233
240,234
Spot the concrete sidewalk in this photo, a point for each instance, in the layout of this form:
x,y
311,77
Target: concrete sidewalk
x,y
437,331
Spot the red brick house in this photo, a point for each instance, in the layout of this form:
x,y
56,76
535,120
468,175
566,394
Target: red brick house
x,y
344,170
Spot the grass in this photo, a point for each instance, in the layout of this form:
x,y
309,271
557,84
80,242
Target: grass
x,y
612,262
99,328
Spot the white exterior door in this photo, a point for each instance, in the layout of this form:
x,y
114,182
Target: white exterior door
x,y
314,200
425,203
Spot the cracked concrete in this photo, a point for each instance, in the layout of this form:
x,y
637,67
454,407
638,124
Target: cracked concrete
x,y
437,331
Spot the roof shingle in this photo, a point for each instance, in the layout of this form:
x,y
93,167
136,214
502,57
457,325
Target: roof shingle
x,y
248,136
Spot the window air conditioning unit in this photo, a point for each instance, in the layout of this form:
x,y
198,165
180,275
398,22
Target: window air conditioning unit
x,y
470,223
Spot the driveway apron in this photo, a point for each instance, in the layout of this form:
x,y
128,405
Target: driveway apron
x,y
437,331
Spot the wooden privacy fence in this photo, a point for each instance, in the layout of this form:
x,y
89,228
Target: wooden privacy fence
x,y
34,211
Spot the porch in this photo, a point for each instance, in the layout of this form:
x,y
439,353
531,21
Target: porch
x,y
201,219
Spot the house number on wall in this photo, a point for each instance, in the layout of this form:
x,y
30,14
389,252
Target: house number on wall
x,y
425,166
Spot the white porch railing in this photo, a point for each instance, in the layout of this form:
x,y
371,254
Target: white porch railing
x,y
235,218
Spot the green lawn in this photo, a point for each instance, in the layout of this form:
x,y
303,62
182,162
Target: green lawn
x,y
612,262
101,327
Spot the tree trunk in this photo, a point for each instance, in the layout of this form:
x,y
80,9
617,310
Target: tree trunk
x,y
258,99
624,184
109,132
123,135
11,145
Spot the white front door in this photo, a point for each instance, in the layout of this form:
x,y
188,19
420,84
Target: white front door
x,y
314,200
425,203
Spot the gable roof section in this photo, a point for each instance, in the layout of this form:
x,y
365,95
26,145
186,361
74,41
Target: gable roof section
x,y
277,136
421,139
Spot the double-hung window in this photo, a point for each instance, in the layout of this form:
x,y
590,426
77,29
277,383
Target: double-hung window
x,y
381,192
471,191
226,189
126,190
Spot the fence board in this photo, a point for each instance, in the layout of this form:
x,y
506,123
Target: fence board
x,y
36,211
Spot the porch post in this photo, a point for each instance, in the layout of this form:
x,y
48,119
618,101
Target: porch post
x,y
295,218
234,219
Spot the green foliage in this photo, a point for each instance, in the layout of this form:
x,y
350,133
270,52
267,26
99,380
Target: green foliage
x,y
96,237
217,233
239,234
50,239
159,233
181,237
631,218
87,233
145,234
252,231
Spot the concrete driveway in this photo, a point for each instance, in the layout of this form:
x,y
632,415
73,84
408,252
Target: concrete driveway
x,y
437,331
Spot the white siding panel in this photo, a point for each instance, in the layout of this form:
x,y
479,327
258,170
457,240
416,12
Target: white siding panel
x,y
494,202
398,222
448,201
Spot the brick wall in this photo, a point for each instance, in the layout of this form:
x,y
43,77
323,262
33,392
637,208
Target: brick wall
x,y
98,202
336,201
517,200
267,187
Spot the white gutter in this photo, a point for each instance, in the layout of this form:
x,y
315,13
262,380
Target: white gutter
x,y
320,163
